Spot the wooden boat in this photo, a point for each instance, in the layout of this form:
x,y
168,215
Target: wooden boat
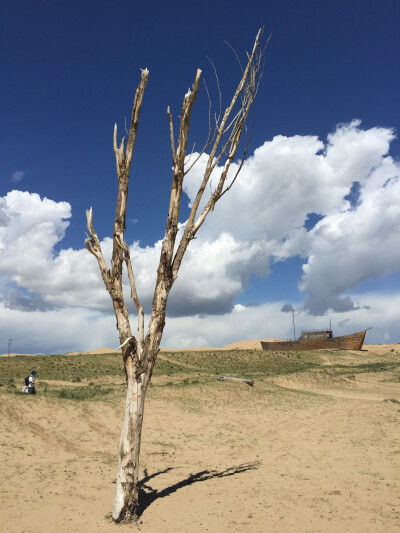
x,y
320,339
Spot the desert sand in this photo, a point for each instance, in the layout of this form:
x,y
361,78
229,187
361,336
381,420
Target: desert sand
x,y
307,452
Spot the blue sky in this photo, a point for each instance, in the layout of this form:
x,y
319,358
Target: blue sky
x,y
326,116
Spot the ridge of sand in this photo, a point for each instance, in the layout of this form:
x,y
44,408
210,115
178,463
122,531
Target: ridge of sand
x,y
381,348
254,344
103,350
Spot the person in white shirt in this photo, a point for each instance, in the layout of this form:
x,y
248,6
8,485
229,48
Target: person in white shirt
x,y
31,387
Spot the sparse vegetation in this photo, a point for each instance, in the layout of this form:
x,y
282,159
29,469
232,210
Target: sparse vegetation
x,y
239,363
99,377
61,367
84,393
376,366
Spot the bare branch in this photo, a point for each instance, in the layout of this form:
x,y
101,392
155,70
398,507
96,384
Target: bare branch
x,y
165,279
236,174
92,243
123,170
119,152
195,160
209,113
189,157
219,91
246,91
135,297
89,247
237,57
208,141
113,279
127,258
137,105
178,170
171,133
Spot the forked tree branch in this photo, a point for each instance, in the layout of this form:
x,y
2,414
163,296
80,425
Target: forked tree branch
x,y
92,243
224,141
211,132
179,169
120,254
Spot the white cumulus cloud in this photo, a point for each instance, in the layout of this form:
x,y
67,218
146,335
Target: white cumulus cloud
x,y
356,244
262,219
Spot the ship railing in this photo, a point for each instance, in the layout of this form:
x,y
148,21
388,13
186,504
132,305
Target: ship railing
x,y
315,330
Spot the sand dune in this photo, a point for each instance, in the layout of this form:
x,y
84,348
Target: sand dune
x,y
103,350
254,344
308,452
382,348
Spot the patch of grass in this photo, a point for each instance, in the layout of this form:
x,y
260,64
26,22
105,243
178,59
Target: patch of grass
x,y
83,393
237,363
186,382
168,368
380,366
10,387
61,367
163,444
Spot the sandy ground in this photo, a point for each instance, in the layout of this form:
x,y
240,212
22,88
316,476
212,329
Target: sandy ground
x,y
310,452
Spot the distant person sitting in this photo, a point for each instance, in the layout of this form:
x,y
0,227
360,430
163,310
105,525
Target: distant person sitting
x,y
30,384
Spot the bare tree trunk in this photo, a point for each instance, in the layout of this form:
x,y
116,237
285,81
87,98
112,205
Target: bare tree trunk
x,y
126,502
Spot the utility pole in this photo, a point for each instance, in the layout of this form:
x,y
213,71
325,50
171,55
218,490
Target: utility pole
x,y
10,341
294,328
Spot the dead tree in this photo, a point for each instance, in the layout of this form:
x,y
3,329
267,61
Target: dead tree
x,y
139,352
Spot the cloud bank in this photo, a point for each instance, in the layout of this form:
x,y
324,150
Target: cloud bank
x,y
349,183
82,329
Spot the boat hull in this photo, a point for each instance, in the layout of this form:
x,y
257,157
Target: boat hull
x,y
354,341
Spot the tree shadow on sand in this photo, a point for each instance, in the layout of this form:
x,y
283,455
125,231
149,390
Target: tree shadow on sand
x,y
147,495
